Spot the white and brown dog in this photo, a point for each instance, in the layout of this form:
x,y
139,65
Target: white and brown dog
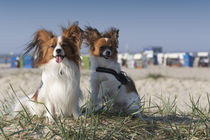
x,y
107,80
59,59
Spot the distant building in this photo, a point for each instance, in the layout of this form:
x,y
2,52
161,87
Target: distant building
x,y
174,59
151,55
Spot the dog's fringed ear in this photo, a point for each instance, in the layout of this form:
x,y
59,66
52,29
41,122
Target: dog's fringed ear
x,y
91,36
112,33
74,33
40,37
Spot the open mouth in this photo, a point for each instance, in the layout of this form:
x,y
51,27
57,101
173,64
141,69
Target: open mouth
x,y
106,56
59,58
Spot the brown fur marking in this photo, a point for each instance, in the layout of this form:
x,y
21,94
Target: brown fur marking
x,y
91,36
130,86
102,42
71,42
38,44
35,96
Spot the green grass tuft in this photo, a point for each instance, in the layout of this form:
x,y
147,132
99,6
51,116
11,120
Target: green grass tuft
x,y
155,76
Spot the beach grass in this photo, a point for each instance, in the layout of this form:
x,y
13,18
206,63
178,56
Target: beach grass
x,y
163,121
155,76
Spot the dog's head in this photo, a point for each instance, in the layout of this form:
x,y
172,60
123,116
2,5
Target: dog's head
x,y
46,46
102,44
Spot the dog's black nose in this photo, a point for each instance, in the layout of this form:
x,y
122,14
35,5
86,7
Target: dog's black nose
x,y
58,50
108,52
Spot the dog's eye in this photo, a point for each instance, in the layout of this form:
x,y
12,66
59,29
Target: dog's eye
x,y
52,46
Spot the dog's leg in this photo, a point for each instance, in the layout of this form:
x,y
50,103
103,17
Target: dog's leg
x,y
94,100
76,111
99,98
50,112
134,103
104,95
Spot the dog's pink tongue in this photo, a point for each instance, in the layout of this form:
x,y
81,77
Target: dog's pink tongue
x,y
58,59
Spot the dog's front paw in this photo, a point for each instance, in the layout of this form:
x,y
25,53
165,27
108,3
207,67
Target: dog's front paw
x,y
82,116
76,115
139,116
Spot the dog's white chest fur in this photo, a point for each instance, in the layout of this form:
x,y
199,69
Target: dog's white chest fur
x,y
60,82
60,91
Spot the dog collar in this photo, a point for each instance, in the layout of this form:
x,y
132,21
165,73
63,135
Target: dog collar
x,y
121,77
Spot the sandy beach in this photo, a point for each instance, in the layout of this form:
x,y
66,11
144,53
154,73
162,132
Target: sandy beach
x,y
182,83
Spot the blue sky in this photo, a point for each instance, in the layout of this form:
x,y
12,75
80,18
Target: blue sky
x,y
176,25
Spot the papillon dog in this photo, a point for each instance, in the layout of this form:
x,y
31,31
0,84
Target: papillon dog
x,y
59,59
108,82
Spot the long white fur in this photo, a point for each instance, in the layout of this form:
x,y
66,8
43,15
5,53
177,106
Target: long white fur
x,y
104,84
60,91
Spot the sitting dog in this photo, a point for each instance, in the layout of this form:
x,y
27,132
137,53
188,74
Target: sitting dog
x,y
59,58
107,80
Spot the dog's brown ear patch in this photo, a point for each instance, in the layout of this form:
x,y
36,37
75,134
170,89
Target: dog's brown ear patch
x,y
38,44
91,36
74,33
